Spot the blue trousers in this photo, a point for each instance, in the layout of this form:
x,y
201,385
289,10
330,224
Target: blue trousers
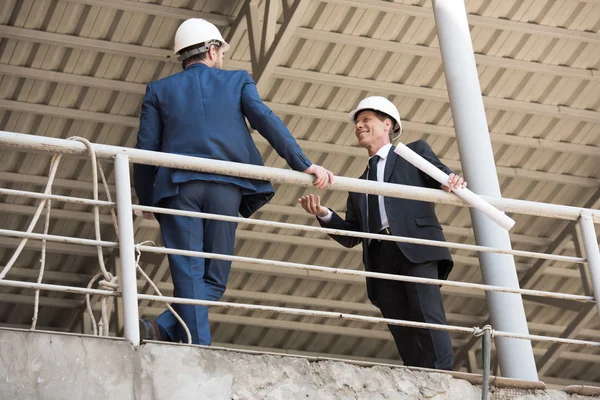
x,y
193,277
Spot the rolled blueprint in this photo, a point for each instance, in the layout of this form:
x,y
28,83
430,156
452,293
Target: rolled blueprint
x,y
473,199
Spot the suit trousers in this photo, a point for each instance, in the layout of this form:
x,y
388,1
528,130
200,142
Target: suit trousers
x,y
194,277
414,302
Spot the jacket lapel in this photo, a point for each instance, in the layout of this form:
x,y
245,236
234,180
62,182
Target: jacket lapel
x,y
362,204
390,164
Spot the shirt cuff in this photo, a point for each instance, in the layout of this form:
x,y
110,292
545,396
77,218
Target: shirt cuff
x,y
327,217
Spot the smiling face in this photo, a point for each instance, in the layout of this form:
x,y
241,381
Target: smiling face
x,y
372,133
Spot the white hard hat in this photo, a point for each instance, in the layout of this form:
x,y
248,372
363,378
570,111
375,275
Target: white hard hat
x,y
195,31
381,104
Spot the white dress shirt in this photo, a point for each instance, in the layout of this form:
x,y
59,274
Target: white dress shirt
x,y
383,155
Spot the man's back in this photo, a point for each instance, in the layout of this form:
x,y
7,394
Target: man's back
x,y
201,112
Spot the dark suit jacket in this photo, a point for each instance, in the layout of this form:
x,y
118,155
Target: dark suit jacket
x,y
409,218
200,112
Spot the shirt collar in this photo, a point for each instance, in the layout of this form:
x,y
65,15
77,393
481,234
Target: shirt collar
x,y
383,152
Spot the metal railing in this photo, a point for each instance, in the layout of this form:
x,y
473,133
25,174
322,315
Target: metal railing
x,y
128,248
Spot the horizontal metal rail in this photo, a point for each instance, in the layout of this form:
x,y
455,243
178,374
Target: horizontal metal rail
x,y
66,199
59,239
364,235
299,311
368,274
286,264
54,145
285,225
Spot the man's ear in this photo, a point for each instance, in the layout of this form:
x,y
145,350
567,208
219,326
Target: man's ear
x,y
212,53
388,124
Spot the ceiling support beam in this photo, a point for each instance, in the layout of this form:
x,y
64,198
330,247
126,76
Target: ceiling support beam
x,y
157,10
268,68
474,20
410,126
563,237
97,117
266,46
434,53
334,37
571,331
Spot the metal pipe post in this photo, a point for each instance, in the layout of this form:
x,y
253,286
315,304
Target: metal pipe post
x,y
127,250
477,158
592,253
486,356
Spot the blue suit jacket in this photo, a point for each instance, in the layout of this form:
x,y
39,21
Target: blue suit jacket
x,y
200,112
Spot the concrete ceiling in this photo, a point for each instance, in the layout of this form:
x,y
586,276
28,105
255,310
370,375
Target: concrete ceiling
x,y
79,67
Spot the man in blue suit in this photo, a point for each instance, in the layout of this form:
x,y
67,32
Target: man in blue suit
x,y
376,124
202,112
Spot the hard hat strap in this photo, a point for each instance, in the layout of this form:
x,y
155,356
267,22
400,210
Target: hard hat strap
x,y
203,48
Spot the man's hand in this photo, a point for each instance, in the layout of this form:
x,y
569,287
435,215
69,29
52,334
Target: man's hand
x,y
454,182
148,215
322,176
312,205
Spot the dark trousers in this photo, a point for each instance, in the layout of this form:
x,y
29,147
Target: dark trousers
x,y
414,302
193,277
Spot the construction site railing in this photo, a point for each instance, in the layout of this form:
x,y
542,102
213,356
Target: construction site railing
x,y
128,248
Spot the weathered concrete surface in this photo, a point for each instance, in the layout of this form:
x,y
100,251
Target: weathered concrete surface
x,y
37,365
49,366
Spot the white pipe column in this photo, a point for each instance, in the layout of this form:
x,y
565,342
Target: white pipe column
x,y
592,253
477,158
128,278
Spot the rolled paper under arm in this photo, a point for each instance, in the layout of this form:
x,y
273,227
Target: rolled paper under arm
x,y
473,199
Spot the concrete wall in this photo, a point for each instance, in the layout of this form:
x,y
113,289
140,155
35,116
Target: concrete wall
x,y
36,365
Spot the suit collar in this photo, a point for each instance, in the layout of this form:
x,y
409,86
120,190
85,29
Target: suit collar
x,y
390,164
197,65
383,151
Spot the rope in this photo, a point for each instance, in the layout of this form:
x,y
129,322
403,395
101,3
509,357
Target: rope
x,y
109,281
478,332
175,314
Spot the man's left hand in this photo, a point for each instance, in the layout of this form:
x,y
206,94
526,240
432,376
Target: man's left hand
x,y
454,182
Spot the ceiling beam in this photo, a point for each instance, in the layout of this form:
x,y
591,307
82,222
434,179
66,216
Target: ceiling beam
x,y
400,89
561,239
45,301
474,20
433,52
62,278
305,76
455,165
157,10
417,127
51,247
121,120
36,180
270,56
571,331
346,39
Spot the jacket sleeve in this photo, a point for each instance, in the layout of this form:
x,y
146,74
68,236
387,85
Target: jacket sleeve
x,y
149,138
351,223
425,151
263,120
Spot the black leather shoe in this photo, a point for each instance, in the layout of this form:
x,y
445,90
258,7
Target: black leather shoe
x,y
149,330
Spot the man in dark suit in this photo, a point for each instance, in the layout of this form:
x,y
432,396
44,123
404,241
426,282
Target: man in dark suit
x,y
202,112
377,123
